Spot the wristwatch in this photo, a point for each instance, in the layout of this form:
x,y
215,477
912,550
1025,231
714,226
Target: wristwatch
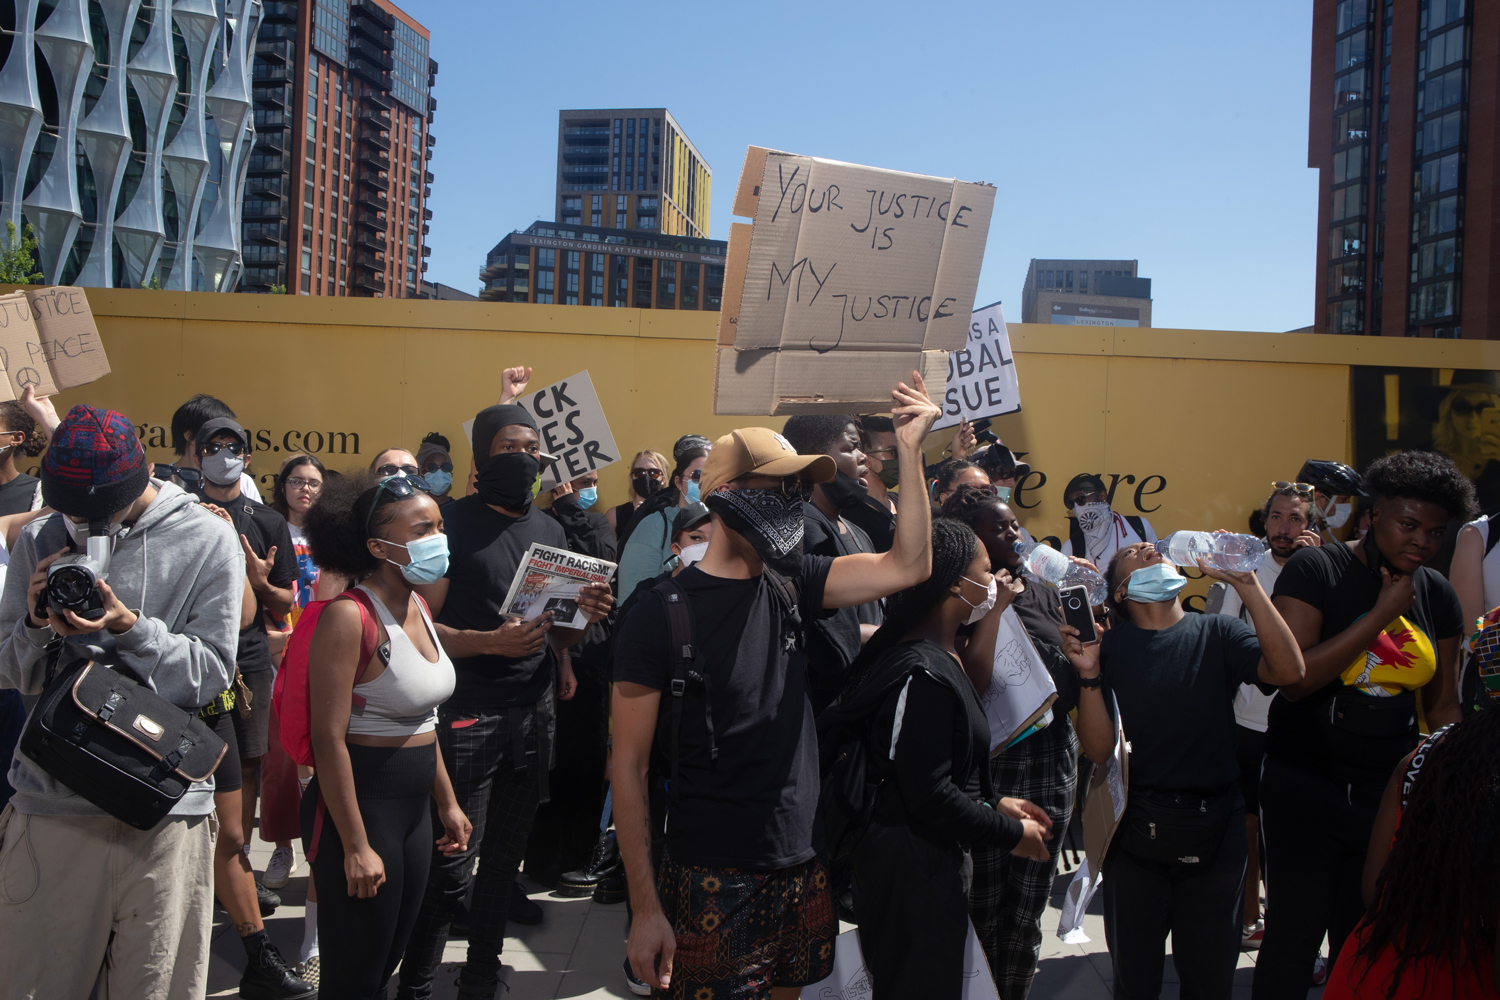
x,y
1091,682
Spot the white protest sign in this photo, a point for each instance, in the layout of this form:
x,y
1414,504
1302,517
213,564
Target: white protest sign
x,y
572,428
1021,689
982,376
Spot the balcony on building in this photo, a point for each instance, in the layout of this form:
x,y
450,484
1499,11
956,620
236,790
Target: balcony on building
x,y
278,49
374,180
360,48
372,239
369,10
374,158
374,138
373,221
279,12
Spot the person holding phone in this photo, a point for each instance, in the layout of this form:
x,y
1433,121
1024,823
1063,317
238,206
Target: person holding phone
x,y
1177,862
1009,892
927,742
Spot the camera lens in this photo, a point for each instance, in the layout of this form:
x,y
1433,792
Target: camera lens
x,y
1074,603
70,587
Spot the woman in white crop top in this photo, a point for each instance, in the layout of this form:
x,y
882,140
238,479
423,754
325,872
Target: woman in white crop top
x,y
366,817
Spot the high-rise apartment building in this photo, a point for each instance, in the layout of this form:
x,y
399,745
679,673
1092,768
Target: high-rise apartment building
x,y
336,202
125,132
630,168
1086,293
1403,116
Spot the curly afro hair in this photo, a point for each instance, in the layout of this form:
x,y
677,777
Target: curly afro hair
x,y
1426,476
816,433
335,524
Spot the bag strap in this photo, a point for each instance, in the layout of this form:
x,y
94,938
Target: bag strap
x,y
1491,536
684,657
784,593
369,635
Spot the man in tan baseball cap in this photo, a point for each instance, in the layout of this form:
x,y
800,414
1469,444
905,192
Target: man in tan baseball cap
x,y
760,451
739,740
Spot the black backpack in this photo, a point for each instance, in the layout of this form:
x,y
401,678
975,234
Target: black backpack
x,y
687,666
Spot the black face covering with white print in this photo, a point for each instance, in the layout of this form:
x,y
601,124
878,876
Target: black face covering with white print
x,y
769,520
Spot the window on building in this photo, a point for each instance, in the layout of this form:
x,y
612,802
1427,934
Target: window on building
x,y
1440,133
1347,240
1349,165
1432,260
1441,12
546,258
1439,175
1439,216
1346,278
642,282
689,297
666,284
1346,317
1351,14
1350,52
1442,91
544,281
1444,50
573,260
1348,202
1436,301
713,280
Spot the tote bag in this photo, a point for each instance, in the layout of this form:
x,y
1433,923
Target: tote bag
x,y
851,980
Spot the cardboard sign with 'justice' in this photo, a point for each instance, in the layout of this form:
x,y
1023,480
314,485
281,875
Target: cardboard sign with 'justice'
x,y
850,278
48,340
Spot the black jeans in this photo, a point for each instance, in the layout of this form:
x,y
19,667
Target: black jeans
x,y
1316,832
498,790
1144,900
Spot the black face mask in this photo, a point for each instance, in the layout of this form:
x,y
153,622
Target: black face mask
x,y
506,480
769,520
844,491
644,486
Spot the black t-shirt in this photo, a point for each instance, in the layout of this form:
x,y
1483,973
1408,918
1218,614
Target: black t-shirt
x,y
17,495
1175,687
263,528
753,807
1332,579
485,549
833,641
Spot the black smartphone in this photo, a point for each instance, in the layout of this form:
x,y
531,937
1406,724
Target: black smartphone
x,y
1077,613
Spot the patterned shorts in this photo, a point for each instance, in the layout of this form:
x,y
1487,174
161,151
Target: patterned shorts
x,y
741,932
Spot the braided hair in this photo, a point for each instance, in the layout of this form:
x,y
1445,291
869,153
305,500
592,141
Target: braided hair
x,y
969,502
954,546
1437,895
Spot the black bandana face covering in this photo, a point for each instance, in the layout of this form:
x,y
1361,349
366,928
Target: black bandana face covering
x,y
769,520
844,491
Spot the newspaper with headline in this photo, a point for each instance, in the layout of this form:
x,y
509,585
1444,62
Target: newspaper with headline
x,y
549,579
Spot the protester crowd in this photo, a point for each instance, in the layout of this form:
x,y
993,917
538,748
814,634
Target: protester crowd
x,y
770,720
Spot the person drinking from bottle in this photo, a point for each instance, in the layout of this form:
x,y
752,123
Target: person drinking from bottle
x,y
1380,632
1177,862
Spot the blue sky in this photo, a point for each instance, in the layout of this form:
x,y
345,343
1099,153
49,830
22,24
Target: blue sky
x,y
1172,132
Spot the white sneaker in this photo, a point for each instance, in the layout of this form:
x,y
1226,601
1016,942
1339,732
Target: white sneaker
x,y
280,868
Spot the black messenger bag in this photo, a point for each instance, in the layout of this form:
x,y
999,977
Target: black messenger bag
x,y
117,743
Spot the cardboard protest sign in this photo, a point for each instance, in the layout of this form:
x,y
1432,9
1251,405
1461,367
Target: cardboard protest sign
x,y
572,427
982,376
70,340
850,273
21,351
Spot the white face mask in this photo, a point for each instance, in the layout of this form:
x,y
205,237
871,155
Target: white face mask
x,y
692,553
983,607
1096,521
1340,515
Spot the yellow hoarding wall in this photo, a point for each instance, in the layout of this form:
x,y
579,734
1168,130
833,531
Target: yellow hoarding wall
x,y
1188,427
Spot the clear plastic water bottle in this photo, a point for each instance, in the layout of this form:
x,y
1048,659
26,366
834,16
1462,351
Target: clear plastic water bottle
x,y
1220,550
1044,563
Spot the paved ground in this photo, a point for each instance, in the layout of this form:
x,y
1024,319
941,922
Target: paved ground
x,y
578,949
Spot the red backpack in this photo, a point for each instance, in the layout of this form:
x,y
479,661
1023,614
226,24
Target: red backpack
x,y
291,695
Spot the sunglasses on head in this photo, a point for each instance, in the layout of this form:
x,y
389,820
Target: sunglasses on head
x,y
1302,489
236,448
1464,408
399,470
395,488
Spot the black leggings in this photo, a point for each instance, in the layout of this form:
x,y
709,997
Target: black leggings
x,y
361,940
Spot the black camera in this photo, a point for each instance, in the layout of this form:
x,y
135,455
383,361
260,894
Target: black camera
x,y
73,580
982,432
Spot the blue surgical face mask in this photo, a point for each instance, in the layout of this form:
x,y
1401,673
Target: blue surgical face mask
x,y
588,496
692,491
429,559
1155,583
439,481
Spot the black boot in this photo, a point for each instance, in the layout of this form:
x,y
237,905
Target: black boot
x,y
612,889
604,863
522,910
268,900
267,976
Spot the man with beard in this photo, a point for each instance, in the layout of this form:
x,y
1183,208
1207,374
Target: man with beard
x,y
1288,516
496,731
830,529
1097,532
740,906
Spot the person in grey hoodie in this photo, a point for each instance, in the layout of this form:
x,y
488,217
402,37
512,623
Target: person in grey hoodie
x,y
86,899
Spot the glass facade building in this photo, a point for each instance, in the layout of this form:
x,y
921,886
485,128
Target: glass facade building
x,y
558,264
630,168
1402,92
